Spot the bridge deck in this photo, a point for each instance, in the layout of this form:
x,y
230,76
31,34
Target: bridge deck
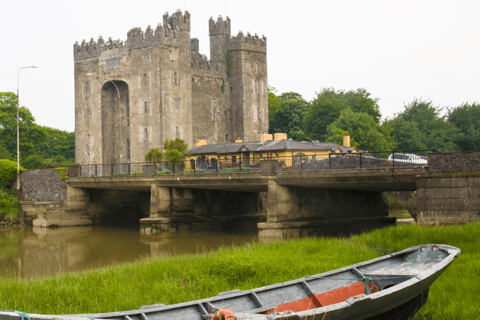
x,y
385,179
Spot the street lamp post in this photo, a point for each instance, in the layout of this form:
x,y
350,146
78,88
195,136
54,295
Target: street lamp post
x,y
18,127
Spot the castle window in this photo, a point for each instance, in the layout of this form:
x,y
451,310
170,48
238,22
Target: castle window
x,y
248,112
144,80
226,137
175,80
87,87
145,107
112,63
88,141
88,114
257,83
128,149
231,89
177,103
85,65
87,158
145,57
215,112
259,113
145,134
257,69
177,132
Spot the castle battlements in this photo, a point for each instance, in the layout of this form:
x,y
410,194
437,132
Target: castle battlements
x,y
220,27
248,42
175,27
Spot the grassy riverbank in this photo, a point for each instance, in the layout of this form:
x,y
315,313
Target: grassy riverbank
x,y
9,205
182,278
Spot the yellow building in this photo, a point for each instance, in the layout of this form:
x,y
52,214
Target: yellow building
x,y
271,146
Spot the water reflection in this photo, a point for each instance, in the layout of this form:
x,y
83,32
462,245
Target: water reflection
x,y
35,251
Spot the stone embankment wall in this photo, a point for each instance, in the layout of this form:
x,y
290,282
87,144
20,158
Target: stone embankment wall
x,y
449,194
42,185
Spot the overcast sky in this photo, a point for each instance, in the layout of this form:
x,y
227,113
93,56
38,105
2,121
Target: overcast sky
x,y
397,50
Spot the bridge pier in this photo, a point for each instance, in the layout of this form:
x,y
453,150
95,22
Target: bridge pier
x,y
184,209
300,211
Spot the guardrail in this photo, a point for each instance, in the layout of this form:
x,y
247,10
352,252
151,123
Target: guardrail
x,y
299,161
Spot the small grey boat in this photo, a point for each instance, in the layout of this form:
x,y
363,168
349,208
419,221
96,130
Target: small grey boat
x,y
390,287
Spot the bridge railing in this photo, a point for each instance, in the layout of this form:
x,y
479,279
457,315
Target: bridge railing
x,y
299,161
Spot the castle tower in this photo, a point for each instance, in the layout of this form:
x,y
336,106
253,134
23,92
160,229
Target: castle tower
x,y
219,32
248,86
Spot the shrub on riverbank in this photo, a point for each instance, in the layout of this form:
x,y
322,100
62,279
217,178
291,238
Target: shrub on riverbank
x,y
9,206
189,277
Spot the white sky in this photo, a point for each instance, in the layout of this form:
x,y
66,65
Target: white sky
x,y
397,50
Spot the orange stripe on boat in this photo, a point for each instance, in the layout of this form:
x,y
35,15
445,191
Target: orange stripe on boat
x,y
325,299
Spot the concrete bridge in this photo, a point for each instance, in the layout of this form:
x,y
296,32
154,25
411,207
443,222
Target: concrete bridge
x,y
281,204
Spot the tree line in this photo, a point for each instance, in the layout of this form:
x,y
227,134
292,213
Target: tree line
x,y
421,125
40,146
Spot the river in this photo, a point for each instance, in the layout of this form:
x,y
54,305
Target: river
x,y
38,252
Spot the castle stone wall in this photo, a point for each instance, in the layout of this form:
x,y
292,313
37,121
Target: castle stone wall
x,y
132,96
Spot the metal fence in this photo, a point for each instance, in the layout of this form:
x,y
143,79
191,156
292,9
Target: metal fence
x,y
300,161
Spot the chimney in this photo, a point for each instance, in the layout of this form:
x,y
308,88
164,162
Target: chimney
x,y
238,140
346,140
279,136
266,137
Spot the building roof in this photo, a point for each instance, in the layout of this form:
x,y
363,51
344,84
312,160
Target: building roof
x,y
269,146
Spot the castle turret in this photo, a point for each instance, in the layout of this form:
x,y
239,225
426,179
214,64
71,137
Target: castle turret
x,y
219,35
177,20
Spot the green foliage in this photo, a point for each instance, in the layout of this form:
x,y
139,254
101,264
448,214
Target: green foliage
x,y
407,134
62,172
154,155
9,205
8,172
177,144
173,156
34,161
329,103
363,129
466,118
288,115
57,143
433,129
31,134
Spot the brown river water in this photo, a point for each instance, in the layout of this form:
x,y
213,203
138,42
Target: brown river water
x,y
38,252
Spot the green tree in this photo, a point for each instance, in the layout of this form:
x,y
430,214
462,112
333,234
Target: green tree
x,y
33,161
435,131
407,135
173,156
57,142
289,115
363,129
177,144
274,104
466,118
8,172
31,134
328,105
154,155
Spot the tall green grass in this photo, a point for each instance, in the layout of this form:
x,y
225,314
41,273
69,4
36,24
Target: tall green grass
x,y
189,277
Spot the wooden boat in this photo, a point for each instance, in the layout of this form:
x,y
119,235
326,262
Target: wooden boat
x,y
390,287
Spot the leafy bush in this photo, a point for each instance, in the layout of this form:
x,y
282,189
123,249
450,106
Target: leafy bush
x,y
154,155
34,161
8,172
9,206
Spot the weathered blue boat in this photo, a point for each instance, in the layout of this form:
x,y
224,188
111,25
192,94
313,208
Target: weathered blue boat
x,y
390,287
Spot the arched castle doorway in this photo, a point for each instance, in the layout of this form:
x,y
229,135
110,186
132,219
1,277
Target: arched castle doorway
x,y
115,122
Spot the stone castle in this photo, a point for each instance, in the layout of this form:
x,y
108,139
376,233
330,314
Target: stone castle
x,y
131,97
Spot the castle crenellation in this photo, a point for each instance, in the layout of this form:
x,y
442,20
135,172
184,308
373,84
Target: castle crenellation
x,y
131,96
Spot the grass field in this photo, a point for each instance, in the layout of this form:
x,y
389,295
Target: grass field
x,y
455,295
